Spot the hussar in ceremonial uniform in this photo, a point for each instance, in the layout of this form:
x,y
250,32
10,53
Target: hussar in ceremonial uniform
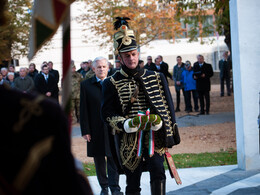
x,y
138,107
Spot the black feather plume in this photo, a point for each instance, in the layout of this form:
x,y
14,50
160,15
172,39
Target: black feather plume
x,y
120,21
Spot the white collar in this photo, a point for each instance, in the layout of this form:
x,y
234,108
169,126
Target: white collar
x,y
98,79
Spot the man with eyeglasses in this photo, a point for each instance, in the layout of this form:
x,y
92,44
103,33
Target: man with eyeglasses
x,y
150,65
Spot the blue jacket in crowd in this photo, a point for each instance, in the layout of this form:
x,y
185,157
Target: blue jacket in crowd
x,y
187,80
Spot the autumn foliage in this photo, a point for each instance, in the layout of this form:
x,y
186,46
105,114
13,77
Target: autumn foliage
x,y
149,19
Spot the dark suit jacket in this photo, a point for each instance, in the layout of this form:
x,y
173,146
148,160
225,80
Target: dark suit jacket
x,y
111,71
224,67
56,75
203,84
43,87
90,118
151,67
165,70
33,74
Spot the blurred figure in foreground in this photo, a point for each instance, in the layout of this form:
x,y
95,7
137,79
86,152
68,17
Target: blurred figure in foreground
x,y
35,147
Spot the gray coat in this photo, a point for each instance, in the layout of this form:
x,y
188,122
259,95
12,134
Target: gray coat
x,y
177,71
24,84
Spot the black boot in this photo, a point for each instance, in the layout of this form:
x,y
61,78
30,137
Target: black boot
x,y
158,187
104,191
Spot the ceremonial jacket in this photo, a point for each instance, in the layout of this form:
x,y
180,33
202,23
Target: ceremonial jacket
x,y
154,94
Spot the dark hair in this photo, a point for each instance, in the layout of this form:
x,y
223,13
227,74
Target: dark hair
x,y
179,57
140,61
44,65
32,64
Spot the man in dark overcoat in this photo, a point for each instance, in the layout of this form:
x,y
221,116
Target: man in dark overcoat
x,y
202,73
164,68
56,75
224,67
94,130
45,83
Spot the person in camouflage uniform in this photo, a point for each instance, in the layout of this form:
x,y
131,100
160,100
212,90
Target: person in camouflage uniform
x,y
90,73
75,93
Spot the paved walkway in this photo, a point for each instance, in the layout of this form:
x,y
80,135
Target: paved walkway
x,y
200,120
219,180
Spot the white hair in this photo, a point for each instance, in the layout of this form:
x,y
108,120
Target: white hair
x,y
94,64
4,69
22,68
10,73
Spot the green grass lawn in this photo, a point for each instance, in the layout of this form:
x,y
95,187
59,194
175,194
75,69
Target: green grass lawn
x,y
190,160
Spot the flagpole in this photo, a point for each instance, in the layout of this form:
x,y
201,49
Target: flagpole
x,y
66,68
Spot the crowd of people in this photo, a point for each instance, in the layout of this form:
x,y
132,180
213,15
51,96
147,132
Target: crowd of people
x,y
193,81
29,79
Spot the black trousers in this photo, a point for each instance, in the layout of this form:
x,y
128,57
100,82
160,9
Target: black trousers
x,y
178,98
204,95
155,167
188,99
113,177
222,80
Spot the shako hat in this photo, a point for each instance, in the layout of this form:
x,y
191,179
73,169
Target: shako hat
x,y
124,39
